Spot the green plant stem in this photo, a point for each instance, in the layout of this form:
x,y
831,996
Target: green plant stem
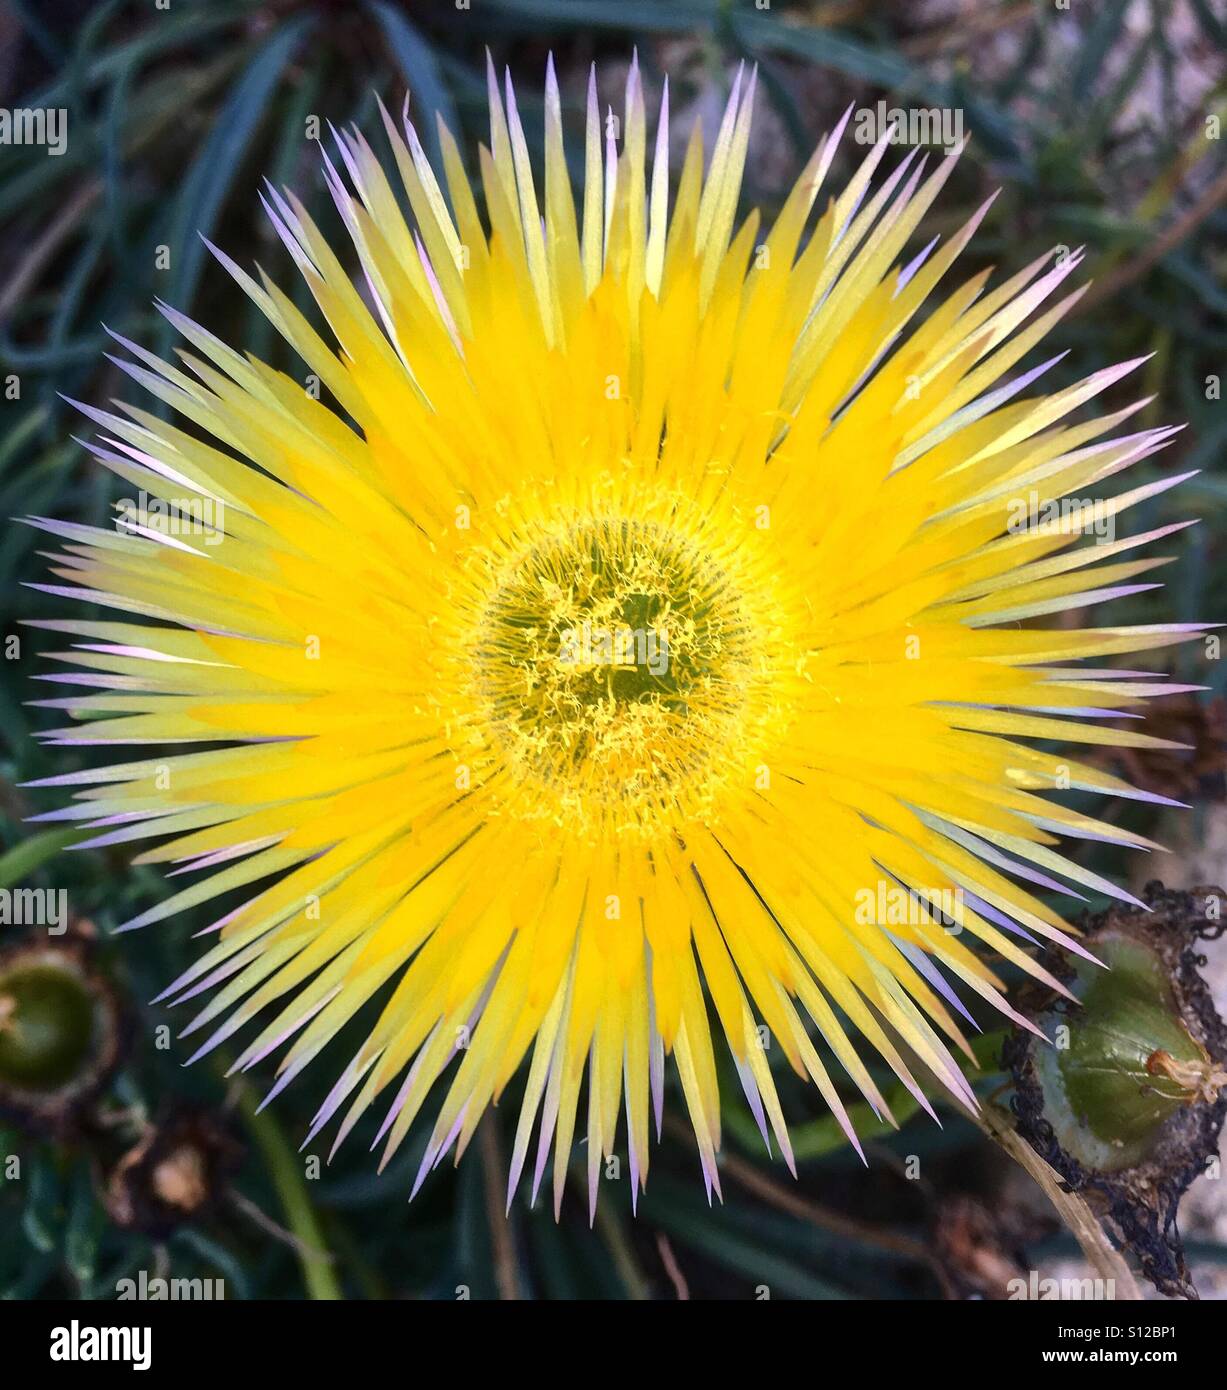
x,y
283,1167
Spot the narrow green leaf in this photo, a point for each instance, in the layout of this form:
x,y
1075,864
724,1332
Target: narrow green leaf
x,y
428,92
208,180
30,854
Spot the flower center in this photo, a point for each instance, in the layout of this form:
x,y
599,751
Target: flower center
x,y
612,664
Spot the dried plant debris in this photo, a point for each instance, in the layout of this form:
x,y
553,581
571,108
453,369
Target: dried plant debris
x,y
178,1171
1196,770
980,1251
1129,1103
63,1033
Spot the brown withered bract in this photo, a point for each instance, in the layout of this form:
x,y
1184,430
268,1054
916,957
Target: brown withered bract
x,y
177,1172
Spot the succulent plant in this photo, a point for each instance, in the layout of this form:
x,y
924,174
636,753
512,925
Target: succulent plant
x,y
61,1034
1128,1104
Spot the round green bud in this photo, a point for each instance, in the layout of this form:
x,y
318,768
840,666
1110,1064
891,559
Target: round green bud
x,y
46,1026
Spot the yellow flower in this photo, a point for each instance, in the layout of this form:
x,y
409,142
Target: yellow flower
x,y
626,618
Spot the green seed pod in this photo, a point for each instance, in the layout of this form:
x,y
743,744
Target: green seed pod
x,y
1128,1103
60,1034
1130,1063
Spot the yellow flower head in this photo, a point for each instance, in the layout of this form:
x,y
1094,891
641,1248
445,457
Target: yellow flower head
x,y
626,619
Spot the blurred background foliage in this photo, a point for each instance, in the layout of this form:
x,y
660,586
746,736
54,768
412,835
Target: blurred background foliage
x,y
1098,119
